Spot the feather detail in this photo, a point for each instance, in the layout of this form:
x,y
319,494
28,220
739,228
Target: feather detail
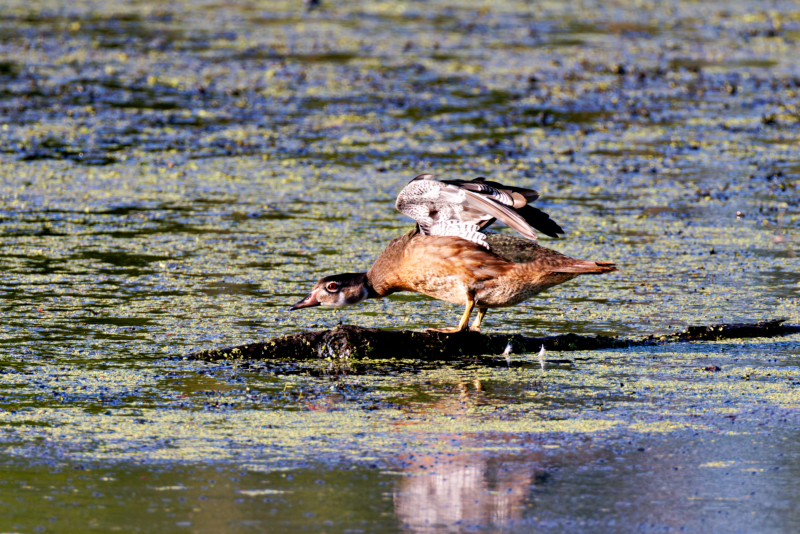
x,y
470,232
472,203
502,213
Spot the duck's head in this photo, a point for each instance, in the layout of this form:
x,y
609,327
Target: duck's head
x,y
337,290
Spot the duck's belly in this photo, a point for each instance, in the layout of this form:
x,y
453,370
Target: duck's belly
x,y
447,288
509,290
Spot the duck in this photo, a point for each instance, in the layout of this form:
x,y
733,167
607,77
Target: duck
x,y
450,255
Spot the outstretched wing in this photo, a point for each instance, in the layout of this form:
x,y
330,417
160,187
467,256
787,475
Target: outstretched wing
x,y
464,208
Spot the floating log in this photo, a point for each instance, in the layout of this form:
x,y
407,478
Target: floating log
x,y
354,342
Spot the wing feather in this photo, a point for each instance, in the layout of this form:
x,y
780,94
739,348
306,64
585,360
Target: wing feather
x,y
461,208
500,212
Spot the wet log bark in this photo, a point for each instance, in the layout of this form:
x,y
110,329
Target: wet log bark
x,y
348,341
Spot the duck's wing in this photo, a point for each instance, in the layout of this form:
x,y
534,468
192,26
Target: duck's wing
x,y
540,220
462,208
508,195
481,208
521,197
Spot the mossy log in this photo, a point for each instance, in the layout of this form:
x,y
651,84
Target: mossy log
x,y
348,341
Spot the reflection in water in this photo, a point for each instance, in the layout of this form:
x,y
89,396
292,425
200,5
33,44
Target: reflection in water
x,y
455,493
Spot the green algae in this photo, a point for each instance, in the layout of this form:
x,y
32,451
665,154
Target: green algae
x,y
228,412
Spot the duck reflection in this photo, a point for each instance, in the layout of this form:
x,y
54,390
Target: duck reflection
x,y
455,492
445,493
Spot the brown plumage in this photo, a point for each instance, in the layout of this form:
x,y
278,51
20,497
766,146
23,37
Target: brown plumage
x,y
458,271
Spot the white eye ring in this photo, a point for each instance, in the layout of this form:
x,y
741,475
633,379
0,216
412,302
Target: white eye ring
x,y
332,287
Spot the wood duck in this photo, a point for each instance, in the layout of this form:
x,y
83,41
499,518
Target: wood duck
x,y
450,257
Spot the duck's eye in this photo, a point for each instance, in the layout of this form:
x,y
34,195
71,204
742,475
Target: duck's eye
x,y
332,287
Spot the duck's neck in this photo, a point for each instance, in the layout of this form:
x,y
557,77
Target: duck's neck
x,y
363,279
382,277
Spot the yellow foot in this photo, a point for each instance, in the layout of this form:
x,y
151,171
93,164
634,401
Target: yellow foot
x,y
462,324
451,330
474,328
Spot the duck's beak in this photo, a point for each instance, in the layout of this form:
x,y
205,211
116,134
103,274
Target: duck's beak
x,y
310,300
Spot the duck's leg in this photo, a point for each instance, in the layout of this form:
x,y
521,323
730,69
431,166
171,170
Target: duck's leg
x,y
476,324
462,324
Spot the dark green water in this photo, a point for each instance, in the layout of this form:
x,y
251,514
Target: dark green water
x,y
638,486
174,175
